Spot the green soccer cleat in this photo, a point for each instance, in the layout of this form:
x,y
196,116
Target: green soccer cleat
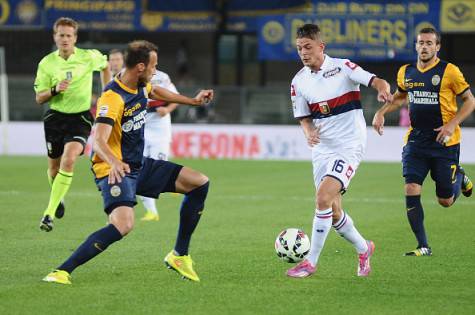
x,y
58,276
46,224
422,251
467,185
181,264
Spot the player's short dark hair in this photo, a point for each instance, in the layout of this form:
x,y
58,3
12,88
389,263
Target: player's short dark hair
x,y
430,30
65,21
115,51
138,52
311,31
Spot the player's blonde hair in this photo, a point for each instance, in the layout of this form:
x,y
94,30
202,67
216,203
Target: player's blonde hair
x,y
65,21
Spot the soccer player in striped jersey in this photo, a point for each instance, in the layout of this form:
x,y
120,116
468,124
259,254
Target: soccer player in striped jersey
x,y
432,143
326,99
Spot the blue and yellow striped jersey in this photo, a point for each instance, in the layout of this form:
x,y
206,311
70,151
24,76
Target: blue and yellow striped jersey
x,y
125,109
432,96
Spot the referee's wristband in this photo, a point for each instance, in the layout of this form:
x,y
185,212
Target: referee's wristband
x,y
53,91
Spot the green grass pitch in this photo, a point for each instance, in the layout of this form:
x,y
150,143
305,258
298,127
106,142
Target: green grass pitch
x,y
233,247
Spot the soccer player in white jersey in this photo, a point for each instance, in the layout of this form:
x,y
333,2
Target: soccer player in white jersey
x,y
326,99
158,134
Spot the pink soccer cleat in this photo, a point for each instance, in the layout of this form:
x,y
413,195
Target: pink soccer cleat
x,y
302,270
364,268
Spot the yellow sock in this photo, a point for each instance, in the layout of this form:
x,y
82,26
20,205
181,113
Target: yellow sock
x,y
60,187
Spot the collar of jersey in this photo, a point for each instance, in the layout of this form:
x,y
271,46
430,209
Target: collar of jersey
x,y
123,86
427,69
325,62
70,57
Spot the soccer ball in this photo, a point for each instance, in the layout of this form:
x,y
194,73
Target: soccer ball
x,y
292,245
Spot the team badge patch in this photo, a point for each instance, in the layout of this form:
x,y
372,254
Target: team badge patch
x,y
115,191
103,110
435,79
324,108
126,127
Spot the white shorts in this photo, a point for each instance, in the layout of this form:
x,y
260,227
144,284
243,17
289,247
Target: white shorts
x,y
157,150
340,167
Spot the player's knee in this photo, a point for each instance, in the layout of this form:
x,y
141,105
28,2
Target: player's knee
x,y
413,189
324,200
445,202
67,163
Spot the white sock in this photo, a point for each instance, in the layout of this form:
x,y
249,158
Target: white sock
x,y
346,228
322,223
149,204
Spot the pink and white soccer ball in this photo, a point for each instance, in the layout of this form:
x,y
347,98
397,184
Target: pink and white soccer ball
x,y
292,245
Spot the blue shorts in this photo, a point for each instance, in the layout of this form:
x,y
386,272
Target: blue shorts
x,y
155,177
441,162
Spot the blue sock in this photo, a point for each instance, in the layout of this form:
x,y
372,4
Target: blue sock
x,y
458,185
190,214
415,215
95,244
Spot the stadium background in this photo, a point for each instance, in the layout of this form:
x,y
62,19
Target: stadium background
x,y
243,49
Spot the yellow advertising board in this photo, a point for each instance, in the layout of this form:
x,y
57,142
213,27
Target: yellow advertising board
x,y
457,16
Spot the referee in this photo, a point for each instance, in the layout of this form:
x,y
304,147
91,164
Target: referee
x,y
64,80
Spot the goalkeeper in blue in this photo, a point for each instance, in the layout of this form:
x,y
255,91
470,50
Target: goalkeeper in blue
x,y
121,172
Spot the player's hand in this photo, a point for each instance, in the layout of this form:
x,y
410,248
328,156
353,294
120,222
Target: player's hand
x,y
378,123
445,132
62,86
162,111
204,97
385,96
118,170
313,136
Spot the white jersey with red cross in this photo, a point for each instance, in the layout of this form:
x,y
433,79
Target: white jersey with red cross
x,y
331,97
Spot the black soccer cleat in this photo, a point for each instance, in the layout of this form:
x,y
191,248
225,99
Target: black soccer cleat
x,y
467,185
59,213
46,224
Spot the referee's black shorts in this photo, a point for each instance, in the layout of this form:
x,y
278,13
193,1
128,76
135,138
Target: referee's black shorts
x,y
61,128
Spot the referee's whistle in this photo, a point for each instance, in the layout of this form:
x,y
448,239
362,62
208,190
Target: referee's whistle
x,y
69,75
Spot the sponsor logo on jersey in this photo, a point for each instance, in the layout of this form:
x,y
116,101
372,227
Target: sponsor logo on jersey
x,y
332,72
103,110
408,84
130,111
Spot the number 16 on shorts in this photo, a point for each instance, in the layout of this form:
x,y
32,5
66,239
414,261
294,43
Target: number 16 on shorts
x,y
341,170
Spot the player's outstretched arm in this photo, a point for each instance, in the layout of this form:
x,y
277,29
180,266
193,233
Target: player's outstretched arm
x,y
102,149
398,99
446,131
383,88
203,97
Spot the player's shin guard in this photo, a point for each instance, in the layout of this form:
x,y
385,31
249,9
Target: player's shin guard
x,y
415,215
95,244
190,214
322,223
346,228
60,187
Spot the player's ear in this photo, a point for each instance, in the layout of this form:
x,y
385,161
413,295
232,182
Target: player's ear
x,y
141,67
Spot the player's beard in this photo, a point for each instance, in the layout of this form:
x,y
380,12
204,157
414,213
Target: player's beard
x,y
427,58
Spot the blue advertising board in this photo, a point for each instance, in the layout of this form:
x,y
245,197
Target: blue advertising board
x,y
370,31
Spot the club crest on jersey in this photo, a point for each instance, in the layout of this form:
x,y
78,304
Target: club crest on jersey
x,y
435,79
332,72
324,108
115,191
126,127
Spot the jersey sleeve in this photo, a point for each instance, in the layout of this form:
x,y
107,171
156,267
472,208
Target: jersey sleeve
x,y
299,103
457,80
98,60
357,74
43,81
400,78
110,107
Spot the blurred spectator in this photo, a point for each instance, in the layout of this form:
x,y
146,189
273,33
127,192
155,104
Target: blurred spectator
x,y
116,61
404,119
